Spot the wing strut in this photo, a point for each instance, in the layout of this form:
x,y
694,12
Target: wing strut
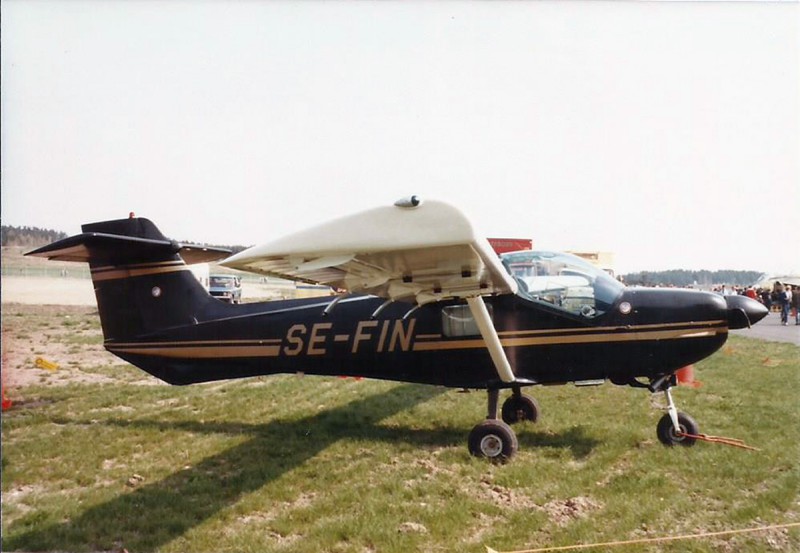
x,y
489,333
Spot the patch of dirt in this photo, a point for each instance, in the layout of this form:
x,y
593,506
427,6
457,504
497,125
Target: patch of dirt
x,y
257,517
66,336
428,469
282,540
778,539
484,524
135,480
504,497
15,504
412,528
18,494
431,468
303,501
562,512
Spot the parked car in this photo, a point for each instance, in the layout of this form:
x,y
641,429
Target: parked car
x,y
226,288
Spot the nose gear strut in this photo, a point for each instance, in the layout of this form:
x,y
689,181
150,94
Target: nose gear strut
x,y
675,427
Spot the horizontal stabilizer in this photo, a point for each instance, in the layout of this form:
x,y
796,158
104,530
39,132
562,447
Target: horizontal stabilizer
x,y
124,247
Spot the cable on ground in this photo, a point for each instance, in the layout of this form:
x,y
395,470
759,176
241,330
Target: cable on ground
x,y
651,540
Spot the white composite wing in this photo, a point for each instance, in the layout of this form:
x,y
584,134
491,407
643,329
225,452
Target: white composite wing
x,y
413,251
419,252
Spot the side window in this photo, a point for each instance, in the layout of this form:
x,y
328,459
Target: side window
x,y
457,321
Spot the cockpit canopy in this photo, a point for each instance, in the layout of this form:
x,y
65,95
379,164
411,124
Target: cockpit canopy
x,y
563,281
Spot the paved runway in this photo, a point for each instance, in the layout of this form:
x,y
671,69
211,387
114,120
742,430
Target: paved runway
x,y
771,329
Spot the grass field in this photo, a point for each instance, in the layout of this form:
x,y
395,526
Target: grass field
x,y
301,464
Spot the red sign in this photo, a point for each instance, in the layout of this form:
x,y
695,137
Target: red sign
x,y
503,245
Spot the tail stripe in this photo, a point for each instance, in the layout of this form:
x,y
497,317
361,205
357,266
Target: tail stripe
x,y
128,273
102,268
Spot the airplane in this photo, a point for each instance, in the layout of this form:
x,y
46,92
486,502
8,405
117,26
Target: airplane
x,y
767,281
423,299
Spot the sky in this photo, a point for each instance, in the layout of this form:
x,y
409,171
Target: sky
x,y
667,133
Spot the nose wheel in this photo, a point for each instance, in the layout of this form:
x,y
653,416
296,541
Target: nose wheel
x,y
676,428
667,434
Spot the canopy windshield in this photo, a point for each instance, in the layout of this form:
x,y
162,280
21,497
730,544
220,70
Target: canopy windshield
x,y
564,281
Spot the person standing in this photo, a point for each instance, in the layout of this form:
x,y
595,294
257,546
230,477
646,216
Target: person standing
x,y
766,298
778,298
785,297
796,303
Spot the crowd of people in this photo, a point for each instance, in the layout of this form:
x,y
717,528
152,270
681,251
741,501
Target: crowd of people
x,y
784,297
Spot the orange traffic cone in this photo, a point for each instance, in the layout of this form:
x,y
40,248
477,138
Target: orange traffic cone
x,y
686,377
6,402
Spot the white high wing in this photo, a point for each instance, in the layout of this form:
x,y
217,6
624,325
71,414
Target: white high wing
x,y
413,251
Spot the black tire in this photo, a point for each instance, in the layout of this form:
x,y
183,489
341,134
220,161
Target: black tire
x,y
668,436
494,440
520,408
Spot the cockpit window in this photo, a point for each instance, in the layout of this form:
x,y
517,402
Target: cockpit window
x,y
564,281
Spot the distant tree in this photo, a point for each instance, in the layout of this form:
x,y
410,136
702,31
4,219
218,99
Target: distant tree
x,y
28,236
684,278
32,237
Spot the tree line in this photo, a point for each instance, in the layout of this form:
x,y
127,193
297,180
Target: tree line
x,y
685,278
32,237
28,237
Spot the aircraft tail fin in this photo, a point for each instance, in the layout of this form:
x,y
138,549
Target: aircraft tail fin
x,y
141,279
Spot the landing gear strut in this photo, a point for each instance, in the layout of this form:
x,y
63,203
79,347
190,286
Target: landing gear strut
x,y
494,438
674,428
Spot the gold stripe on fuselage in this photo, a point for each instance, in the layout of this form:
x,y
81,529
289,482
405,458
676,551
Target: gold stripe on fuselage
x,y
189,352
218,349
577,338
662,326
255,342
114,273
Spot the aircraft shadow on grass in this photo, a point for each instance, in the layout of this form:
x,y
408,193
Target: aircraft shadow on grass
x,y
576,440
155,514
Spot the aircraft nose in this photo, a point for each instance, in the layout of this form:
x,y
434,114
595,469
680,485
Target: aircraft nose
x,y
744,311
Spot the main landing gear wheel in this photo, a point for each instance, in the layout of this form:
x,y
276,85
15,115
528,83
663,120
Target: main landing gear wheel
x,y
667,434
494,440
520,407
